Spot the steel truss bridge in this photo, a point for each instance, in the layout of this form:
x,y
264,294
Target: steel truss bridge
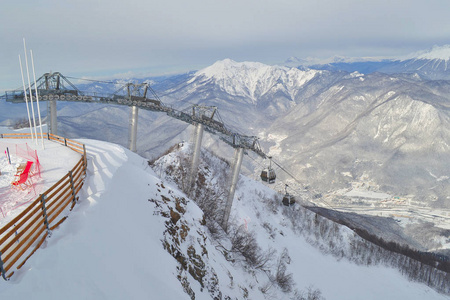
x,y
54,87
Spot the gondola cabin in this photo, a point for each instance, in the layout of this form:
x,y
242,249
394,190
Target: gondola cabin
x,y
268,175
288,199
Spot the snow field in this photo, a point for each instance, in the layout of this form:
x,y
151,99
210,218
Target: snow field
x,y
310,267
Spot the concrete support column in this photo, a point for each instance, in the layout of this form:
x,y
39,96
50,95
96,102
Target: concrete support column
x,y
238,155
53,120
198,136
132,132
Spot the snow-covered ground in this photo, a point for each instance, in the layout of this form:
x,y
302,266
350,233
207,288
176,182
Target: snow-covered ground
x,y
111,246
55,159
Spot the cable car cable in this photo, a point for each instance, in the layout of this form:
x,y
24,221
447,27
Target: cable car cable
x,y
93,80
296,180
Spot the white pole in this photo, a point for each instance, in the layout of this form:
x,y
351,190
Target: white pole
x,y
29,87
37,97
26,97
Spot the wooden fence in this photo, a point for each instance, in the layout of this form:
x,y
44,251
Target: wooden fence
x,y
23,235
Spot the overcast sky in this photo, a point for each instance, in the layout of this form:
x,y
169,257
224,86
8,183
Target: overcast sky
x,y
104,37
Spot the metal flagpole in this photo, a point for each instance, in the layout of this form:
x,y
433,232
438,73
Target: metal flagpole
x,y
26,97
29,86
37,97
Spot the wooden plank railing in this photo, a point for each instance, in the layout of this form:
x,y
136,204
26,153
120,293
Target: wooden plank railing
x,y
23,235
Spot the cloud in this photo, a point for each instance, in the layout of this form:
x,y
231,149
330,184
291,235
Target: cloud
x,y
100,35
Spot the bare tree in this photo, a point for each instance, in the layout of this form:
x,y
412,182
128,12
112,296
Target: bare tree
x,y
282,278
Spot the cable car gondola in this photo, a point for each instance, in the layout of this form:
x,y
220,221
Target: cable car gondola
x,y
288,199
268,174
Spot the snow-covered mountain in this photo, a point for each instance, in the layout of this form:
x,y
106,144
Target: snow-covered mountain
x,y
298,113
394,122
435,53
253,80
338,133
259,91
432,64
387,128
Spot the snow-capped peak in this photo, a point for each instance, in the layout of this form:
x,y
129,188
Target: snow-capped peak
x,y
227,68
437,52
253,79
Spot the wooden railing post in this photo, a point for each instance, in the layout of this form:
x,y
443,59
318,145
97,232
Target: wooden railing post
x,y
72,187
2,270
44,213
85,158
18,240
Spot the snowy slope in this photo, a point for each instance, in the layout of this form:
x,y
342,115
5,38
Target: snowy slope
x,y
111,246
385,118
258,209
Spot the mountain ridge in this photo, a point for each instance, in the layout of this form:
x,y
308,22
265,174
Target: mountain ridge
x,y
253,79
431,64
436,52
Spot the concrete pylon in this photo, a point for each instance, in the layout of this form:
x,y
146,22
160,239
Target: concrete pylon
x,y
198,136
132,132
53,120
238,156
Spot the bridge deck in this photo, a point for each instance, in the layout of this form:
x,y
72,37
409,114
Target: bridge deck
x,y
212,125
